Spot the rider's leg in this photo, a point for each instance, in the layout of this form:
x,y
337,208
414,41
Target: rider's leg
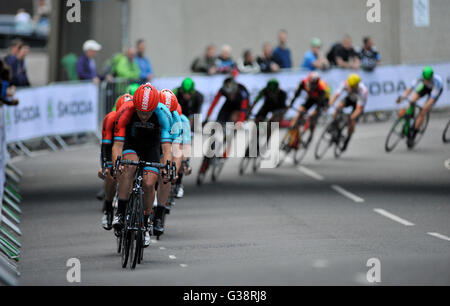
x,y
110,189
149,181
425,110
301,112
412,100
126,181
353,118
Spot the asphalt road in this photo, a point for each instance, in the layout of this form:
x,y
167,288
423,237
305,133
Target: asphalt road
x,y
317,225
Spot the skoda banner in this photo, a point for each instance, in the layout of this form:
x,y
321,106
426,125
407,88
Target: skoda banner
x,y
385,84
52,110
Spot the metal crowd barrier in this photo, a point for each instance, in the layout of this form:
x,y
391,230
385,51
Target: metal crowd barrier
x,y
10,213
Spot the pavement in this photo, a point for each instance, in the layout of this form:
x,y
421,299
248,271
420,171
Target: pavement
x,y
324,223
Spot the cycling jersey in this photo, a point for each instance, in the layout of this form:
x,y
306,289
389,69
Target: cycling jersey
x,y
433,89
175,130
357,97
240,102
143,138
191,106
320,93
186,129
273,101
107,136
109,123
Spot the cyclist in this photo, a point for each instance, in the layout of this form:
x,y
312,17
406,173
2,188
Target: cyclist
x,y
318,94
185,169
189,98
357,94
274,102
428,84
168,98
131,89
106,158
142,128
235,107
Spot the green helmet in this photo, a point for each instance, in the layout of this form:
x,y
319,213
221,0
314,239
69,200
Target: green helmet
x,y
132,88
273,84
188,86
427,73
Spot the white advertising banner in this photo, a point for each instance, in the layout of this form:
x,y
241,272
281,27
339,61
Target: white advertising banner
x,y
385,84
52,110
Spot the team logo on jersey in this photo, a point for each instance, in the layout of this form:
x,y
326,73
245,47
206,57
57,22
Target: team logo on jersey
x,y
146,98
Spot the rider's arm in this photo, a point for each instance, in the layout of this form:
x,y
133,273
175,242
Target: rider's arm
x,y
186,130
244,105
214,103
297,94
258,97
337,94
107,136
177,128
122,120
165,122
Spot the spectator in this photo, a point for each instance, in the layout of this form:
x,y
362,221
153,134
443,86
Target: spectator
x,y
282,54
248,64
23,24
369,55
266,62
18,70
13,51
144,64
126,66
86,66
343,55
207,63
314,58
42,17
6,90
224,62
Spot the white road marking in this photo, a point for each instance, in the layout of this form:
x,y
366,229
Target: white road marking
x,y
320,263
447,164
172,257
347,194
393,217
183,265
162,248
311,173
440,236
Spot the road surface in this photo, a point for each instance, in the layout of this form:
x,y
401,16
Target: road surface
x,y
314,225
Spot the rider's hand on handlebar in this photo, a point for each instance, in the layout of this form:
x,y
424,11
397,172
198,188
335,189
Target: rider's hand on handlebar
x,y
399,99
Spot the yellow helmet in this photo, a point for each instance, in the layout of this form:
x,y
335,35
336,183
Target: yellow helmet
x,y
353,80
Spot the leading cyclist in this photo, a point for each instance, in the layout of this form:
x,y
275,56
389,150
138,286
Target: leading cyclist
x,y
428,84
141,128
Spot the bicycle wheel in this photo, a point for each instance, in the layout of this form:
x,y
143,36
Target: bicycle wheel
x,y
243,165
339,145
202,171
125,248
446,134
396,134
302,147
256,164
217,168
136,248
325,142
424,126
285,149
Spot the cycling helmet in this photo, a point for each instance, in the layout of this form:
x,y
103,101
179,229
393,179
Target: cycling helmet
x,y
353,80
179,109
188,86
122,99
168,98
273,84
132,88
313,79
427,73
146,98
229,86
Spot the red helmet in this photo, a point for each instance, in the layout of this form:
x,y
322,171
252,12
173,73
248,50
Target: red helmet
x,y
146,98
168,98
122,99
179,110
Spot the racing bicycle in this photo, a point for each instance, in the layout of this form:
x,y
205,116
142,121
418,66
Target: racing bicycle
x,y
403,128
335,134
132,235
446,134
